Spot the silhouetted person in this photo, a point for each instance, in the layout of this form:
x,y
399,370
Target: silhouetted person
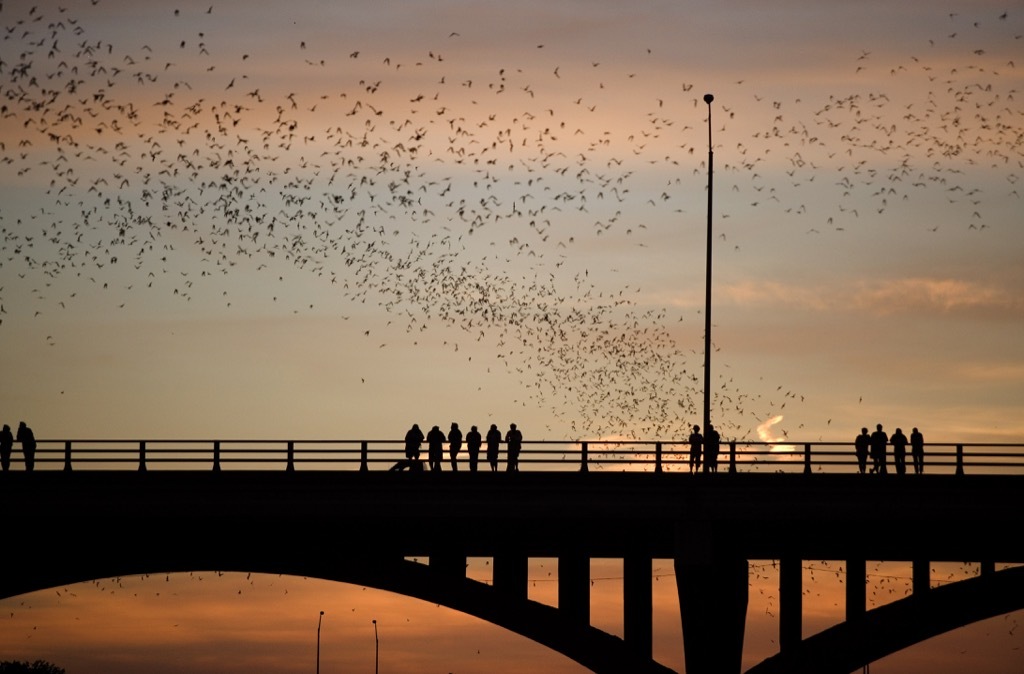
x,y
878,442
899,451
6,445
696,443
413,439
454,445
917,450
435,448
514,440
28,445
493,441
712,444
473,442
861,446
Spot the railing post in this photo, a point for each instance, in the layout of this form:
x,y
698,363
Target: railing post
x,y
807,458
732,456
363,459
657,457
142,455
67,455
584,460
216,455
291,456
959,459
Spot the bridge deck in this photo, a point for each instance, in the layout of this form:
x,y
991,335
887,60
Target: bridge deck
x,y
541,514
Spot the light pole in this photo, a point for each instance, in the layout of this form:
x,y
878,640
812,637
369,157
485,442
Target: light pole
x,y
707,284
318,624
376,649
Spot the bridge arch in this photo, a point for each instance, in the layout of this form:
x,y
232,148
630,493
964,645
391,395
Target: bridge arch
x,y
887,629
589,646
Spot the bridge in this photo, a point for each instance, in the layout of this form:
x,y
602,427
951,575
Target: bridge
x,y
333,510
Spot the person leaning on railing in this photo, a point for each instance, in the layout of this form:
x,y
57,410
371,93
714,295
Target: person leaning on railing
x,y
6,445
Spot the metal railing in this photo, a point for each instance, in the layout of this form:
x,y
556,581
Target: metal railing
x,y
538,455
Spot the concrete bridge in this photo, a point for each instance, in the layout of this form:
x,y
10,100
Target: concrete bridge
x,y
362,526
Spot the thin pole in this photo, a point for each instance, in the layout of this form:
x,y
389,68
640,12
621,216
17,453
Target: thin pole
x,y
376,649
318,624
707,284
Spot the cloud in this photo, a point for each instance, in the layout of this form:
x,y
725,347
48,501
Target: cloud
x,y
887,296
930,295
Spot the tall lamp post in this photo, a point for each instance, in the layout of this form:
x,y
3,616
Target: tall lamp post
x,y
707,284
318,624
376,649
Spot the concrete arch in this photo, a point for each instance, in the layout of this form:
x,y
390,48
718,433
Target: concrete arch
x,y
593,648
885,630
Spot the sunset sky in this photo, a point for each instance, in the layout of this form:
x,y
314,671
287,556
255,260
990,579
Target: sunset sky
x,y
313,220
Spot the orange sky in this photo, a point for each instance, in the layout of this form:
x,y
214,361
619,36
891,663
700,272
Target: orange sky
x,y
229,219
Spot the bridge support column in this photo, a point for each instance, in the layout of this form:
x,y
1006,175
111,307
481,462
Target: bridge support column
x,y
856,592
713,594
790,603
638,605
574,587
511,575
921,582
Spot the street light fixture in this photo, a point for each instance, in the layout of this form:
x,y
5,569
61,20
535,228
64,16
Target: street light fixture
x,y
707,284
318,624
376,649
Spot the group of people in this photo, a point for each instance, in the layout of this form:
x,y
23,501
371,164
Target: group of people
x,y
28,446
874,446
474,441
704,448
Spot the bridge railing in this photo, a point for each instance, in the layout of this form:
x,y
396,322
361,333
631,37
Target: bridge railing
x,y
539,455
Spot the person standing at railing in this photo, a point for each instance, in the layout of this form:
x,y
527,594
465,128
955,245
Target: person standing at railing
x,y
879,440
6,446
454,445
473,442
435,448
712,445
493,442
917,450
899,451
514,440
28,445
860,447
413,439
696,445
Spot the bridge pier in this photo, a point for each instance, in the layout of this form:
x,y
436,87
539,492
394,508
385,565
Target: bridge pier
x,y
790,603
512,575
856,591
574,587
713,592
638,604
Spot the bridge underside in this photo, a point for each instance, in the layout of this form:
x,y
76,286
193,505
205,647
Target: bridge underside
x,y
851,645
358,528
